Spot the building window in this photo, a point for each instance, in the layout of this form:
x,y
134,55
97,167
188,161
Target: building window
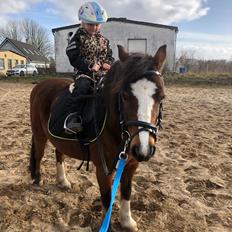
x,y
2,66
22,62
16,62
137,45
9,63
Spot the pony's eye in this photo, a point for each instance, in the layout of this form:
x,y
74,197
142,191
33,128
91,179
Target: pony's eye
x,y
162,97
158,96
125,96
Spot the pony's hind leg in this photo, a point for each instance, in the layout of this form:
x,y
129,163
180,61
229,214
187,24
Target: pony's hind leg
x,y
125,218
61,177
37,152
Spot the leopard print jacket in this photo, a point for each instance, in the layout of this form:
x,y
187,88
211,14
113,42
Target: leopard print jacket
x,y
85,50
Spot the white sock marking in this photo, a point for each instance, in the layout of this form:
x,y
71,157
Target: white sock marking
x,y
61,177
125,218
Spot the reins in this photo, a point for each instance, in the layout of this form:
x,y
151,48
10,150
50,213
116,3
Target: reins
x,y
99,143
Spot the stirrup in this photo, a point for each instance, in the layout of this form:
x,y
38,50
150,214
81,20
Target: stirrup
x,y
73,124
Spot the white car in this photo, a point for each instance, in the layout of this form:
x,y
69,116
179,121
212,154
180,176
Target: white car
x,y
22,70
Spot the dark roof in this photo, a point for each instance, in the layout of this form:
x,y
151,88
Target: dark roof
x,y
28,50
122,20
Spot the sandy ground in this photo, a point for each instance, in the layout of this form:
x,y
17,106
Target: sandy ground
x,y
186,187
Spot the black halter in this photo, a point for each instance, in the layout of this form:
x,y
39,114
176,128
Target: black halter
x,y
144,126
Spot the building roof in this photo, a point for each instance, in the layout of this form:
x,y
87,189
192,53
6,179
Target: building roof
x,y
13,52
122,20
28,50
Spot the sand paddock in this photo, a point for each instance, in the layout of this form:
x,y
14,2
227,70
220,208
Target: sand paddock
x,y
186,187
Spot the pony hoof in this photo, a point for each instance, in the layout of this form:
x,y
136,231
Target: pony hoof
x,y
130,225
65,184
36,182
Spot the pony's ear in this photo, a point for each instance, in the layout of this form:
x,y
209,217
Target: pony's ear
x,y
160,57
122,53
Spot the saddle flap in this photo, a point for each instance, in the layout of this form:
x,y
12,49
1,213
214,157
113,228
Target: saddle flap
x,y
93,118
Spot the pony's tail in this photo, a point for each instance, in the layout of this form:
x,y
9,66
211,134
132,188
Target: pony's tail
x,y
32,166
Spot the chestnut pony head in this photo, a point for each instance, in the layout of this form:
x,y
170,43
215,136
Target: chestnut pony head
x,y
138,87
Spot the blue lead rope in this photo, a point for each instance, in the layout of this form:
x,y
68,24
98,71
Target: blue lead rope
x,y
120,168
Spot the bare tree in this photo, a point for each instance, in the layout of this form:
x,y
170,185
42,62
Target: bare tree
x,y
187,58
30,32
12,30
36,35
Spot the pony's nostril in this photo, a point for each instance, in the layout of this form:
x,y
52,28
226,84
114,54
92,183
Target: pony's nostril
x,y
136,153
152,150
135,150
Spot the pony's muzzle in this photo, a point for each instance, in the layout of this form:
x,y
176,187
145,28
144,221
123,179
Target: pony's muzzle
x,y
140,156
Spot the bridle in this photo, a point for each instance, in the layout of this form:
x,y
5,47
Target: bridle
x,y
143,126
126,137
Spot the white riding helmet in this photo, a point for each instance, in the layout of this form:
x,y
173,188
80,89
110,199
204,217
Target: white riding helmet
x,y
93,13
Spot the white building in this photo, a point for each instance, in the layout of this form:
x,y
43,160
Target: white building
x,y
135,36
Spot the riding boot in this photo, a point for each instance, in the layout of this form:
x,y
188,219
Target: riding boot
x,y
73,122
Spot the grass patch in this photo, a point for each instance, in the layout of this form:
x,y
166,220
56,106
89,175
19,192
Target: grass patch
x,y
33,79
190,79
209,79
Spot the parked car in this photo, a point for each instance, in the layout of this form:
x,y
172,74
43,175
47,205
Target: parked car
x,y
22,70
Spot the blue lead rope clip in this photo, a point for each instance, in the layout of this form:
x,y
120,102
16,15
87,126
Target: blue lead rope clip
x,y
120,167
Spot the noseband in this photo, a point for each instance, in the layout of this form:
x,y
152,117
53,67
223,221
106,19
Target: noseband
x,y
143,126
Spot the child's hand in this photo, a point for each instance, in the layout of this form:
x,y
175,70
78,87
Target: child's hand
x,y
106,66
95,67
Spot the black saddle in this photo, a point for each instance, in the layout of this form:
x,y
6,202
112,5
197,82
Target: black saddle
x,y
93,117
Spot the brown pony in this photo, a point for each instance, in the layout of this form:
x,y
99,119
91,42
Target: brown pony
x,y
133,91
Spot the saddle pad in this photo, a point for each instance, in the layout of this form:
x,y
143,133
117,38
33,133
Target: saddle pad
x,y
93,126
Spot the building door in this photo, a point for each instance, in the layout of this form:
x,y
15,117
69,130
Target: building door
x,y
2,66
137,45
9,61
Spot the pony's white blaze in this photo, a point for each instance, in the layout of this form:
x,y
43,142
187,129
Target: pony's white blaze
x,y
143,91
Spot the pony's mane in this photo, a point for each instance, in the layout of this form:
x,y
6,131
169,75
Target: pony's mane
x,y
122,74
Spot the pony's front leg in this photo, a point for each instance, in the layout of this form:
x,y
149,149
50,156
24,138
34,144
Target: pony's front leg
x,y
125,218
105,183
61,177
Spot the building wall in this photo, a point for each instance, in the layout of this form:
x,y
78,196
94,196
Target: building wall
x,y
38,64
61,42
120,33
9,47
8,55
